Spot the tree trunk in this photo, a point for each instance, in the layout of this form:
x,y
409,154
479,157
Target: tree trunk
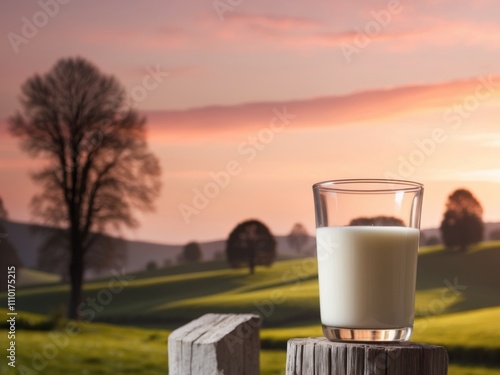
x,y
76,274
251,259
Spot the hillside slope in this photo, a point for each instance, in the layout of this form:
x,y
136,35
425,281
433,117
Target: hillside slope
x,y
28,238
284,294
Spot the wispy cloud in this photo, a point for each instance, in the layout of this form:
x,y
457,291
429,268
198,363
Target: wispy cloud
x,y
365,106
294,32
132,39
174,71
273,21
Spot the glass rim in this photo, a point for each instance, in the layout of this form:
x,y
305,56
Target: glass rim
x,y
356,185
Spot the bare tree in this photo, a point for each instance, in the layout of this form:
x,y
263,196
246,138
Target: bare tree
x,y
97,166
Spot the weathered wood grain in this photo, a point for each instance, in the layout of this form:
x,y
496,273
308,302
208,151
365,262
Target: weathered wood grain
x,y
216,344
318,356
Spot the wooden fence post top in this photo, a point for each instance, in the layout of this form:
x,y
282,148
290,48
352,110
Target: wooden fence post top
x,y
320,356
216,344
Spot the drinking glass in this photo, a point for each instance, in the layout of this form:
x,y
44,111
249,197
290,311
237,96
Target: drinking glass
x,y
367,234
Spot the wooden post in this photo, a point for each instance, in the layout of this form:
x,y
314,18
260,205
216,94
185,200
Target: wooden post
x,y
318,356
216,344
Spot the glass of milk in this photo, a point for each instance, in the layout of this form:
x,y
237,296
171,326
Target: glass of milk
x,y
367,233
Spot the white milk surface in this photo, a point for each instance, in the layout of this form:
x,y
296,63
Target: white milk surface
x,y
367,276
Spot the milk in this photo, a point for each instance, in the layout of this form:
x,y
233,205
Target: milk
x,y
367,276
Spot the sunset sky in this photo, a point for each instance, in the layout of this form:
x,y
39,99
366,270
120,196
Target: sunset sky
x,y
271,97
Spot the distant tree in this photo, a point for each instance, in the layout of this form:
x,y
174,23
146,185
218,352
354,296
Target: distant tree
x,y
180,258
151,265
250,243
433,240
462,223
377,221
298,237
3,211
495,235
8,253
191,253
97,167
218,255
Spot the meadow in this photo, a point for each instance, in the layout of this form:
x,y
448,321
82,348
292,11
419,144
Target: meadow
x,y
457,305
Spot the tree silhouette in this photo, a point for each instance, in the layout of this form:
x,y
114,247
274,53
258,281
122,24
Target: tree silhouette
x,y
104,253
3,211
191,253
250,243
97,166
378,221
151,265
433,240
495,235
462,223
298,237
9,256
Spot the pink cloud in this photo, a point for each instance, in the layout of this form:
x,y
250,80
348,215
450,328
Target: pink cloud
x,y
366,106
265,28
415,31
174,71
351,37
273,21
136,40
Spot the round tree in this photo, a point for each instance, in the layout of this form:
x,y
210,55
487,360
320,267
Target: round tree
x,y
462,224
151,265
298,237
191,253
250,243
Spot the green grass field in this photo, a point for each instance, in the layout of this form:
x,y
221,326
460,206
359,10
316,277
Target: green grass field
x,y
286,293
457,305
107,349
29,277
97,348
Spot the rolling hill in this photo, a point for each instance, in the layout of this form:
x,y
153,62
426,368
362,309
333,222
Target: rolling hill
x,y
284,294
457,305
28,238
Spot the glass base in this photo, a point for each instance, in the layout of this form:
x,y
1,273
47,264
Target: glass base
x,y
358,334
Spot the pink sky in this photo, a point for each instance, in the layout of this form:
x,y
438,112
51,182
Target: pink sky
x,y
274,92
